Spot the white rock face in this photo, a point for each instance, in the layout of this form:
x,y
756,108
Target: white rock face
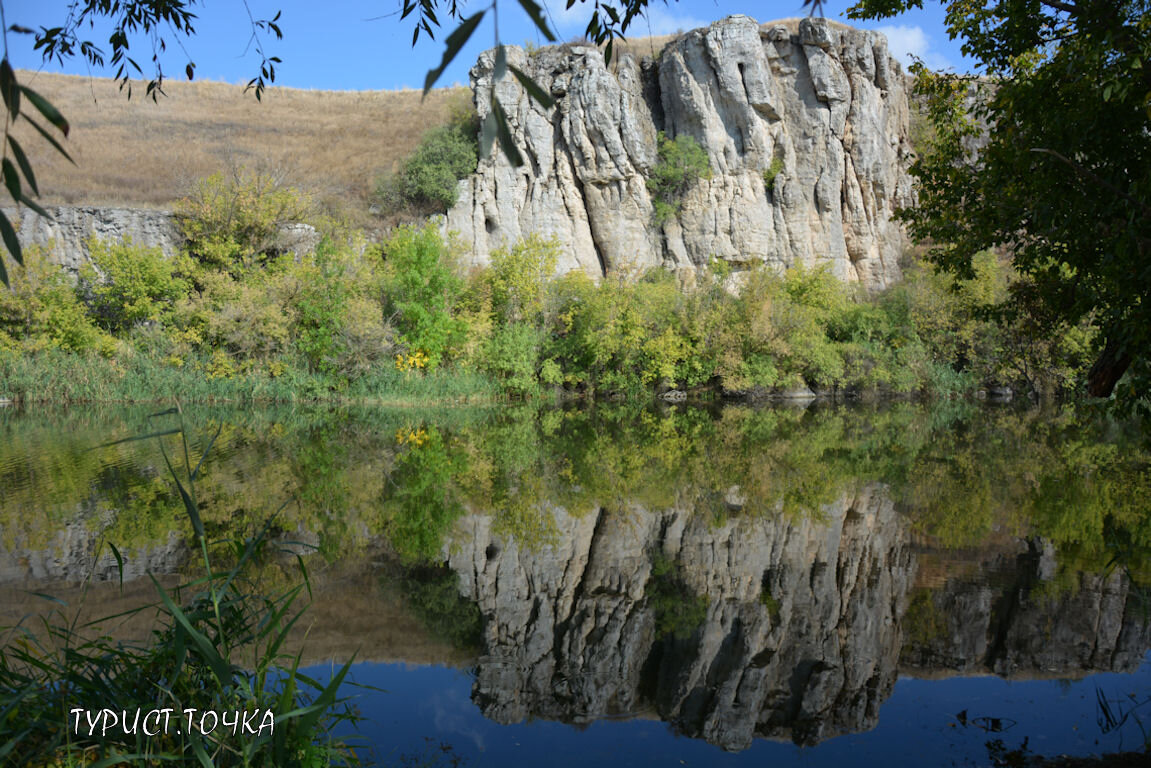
x,y
571,632
825,99
67,232
65,236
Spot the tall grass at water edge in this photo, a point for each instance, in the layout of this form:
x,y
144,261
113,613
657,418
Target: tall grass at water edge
x,y
218,646
58,376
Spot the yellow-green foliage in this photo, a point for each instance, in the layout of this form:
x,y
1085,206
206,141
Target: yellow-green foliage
x,y
323,307
960,474
126,284
520,275
321,322
614,336
42,310
232,220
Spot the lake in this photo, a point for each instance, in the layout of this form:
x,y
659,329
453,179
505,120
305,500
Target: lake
x,y
645,585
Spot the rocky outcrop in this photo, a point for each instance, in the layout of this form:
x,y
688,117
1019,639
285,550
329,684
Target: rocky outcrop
x,y
799,639
1015,618
78,552
807,624
823,102
65,236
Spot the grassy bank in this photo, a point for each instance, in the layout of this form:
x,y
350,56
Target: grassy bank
x,y
59,376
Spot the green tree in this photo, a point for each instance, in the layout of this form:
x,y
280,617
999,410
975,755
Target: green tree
x,y
1048,159
424,290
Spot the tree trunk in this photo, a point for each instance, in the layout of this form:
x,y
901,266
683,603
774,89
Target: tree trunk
x,y
1107,371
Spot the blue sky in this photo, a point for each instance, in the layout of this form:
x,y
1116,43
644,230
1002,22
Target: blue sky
x,y
362,45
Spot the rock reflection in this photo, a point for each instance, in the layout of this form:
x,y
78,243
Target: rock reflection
x,y
808,622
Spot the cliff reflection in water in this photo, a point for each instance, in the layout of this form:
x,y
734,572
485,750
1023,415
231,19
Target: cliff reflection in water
x,y
808,623
741,574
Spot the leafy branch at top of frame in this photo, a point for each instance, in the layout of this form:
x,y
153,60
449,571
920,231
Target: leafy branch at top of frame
x,y
15,169
59,43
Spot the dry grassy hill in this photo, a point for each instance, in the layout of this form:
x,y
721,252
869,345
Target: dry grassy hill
x,y
143,154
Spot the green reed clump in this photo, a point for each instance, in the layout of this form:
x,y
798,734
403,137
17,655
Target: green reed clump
x,y
218,646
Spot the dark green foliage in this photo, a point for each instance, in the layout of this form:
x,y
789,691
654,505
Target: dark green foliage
x,y
682,162
428,180
771,172
1062,180
679,611
433,595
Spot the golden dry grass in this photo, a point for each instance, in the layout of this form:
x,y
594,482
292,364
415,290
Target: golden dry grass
x,y
642,46
332,144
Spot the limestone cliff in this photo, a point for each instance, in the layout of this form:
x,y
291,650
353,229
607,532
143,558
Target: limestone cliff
x,y
67,232
823,101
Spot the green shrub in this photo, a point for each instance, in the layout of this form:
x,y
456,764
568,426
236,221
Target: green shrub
x,y
678,610
42,310
424,289
247,318
512,357
681,164
428,179
232,221
432,593
770,172
126,285
338,328
624,336
421,506
519,277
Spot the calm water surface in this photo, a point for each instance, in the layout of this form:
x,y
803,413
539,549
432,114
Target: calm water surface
x,y
650,586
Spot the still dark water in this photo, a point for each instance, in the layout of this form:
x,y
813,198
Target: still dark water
x,y
886,585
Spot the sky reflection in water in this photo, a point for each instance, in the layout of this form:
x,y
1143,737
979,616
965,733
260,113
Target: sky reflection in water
x,y
426,706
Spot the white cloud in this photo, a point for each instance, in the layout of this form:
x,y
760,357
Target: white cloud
x,y
664,22
658,21
904,42
567,19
